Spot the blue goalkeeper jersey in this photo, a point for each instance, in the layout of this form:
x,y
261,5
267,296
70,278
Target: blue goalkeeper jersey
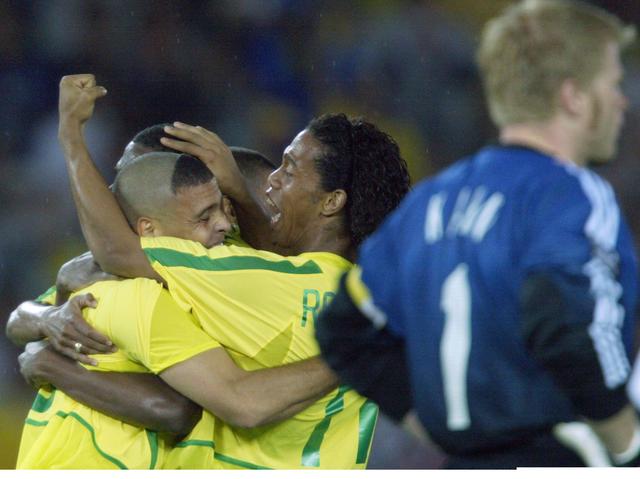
x,y
446,269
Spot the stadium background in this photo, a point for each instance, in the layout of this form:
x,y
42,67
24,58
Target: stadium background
x,y
254,71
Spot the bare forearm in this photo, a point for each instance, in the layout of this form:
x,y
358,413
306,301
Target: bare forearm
x,y
114,245
249,398
25,323
141,400
289,411
297,386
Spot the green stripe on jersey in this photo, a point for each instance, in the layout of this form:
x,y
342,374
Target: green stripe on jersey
x,y
169,258
237,462
217,455
48,292
152,436
368,415
42,403
196,442
33,422
311,451
88,426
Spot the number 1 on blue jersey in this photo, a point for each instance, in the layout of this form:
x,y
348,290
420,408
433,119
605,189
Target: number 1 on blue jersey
x,y
455,345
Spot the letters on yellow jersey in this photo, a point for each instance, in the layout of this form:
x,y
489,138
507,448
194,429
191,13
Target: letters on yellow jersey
x,y
312,303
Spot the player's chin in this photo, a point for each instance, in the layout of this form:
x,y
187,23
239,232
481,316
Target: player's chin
x,y
604,155
604,149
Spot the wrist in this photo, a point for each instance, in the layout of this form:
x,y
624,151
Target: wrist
x,y
631,456
70,131
37,372
45,319
62,287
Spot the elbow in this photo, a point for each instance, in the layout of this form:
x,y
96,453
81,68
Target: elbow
x,y
184,418
11,329
112,260
248,421
244,421
126,262
245,416
177,416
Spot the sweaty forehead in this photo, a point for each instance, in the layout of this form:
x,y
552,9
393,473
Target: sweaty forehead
x,y
199,196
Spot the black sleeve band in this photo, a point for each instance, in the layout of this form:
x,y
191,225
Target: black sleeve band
x,y
370,360
557,311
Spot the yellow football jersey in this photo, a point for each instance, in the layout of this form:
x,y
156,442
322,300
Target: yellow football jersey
x,y
140,318
262,308
49,296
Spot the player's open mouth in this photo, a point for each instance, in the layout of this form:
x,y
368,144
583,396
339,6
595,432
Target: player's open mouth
x,y
270,202
275,217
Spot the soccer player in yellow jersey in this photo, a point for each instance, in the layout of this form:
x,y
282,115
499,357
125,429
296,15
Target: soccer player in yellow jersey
x,y
338,180
154,334
157,407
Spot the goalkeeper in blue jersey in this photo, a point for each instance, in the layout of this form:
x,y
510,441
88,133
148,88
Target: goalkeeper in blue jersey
x,y
498,300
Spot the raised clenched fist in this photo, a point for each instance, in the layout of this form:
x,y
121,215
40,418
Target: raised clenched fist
x,y
78,94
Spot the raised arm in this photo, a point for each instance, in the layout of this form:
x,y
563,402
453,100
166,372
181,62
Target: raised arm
x,y
114,245
142,400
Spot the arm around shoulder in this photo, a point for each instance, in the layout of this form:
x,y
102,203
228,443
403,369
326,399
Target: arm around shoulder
x,y
114,245
141,400
249,398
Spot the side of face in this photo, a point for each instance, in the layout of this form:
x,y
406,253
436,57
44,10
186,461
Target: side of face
x,y
195,213
294,194
608,104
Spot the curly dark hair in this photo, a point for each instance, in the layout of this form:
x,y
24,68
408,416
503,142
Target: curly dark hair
x,y
366,163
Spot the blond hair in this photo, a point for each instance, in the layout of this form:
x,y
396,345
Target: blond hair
x,y
527,52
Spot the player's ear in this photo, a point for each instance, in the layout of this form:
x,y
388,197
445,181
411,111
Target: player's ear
x,y
333,202
572,98
228,209
145,227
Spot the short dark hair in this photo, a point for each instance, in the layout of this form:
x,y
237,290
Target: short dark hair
x,y
150,137
366,163
144,186
189,171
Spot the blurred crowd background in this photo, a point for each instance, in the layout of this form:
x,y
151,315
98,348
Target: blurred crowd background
x,y
255,72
